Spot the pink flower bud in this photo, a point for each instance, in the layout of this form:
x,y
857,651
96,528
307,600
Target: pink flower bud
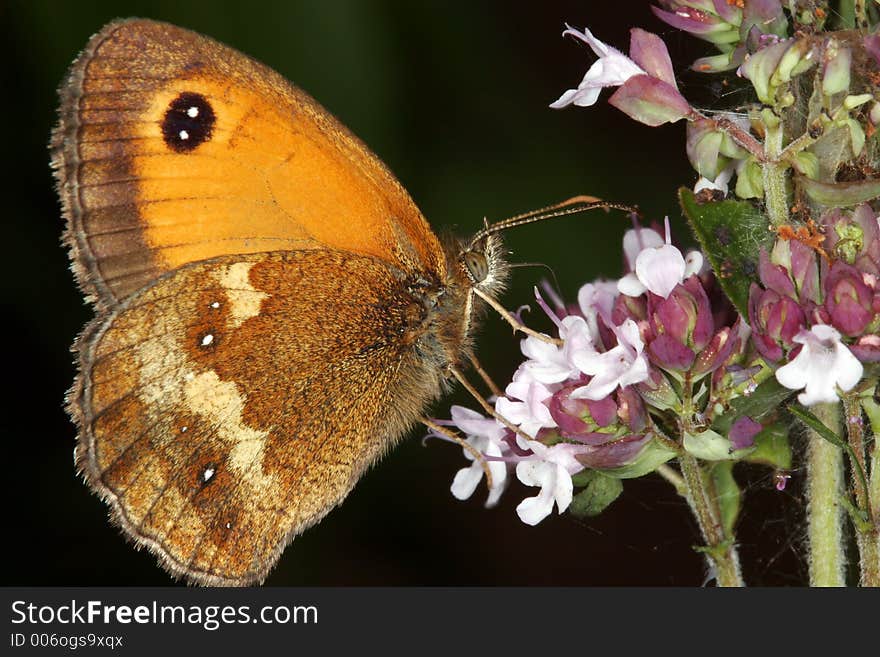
x,y
848,300
775,320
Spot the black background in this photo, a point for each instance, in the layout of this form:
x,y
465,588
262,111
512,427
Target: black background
x,y
453,96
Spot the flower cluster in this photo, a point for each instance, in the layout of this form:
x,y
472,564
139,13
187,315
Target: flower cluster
x,y
697,356
752,39
628,350
821,313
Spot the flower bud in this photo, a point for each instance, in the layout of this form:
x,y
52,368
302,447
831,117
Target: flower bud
x,y
657,391
775,320
836,77
773,67
854,238
796,262
716,22
848,300
727,344
596,422
681,325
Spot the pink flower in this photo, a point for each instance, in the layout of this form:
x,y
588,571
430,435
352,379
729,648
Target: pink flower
x,y
623,365
657,267
648,92
526,409
486,435
823,365
550,468
612,69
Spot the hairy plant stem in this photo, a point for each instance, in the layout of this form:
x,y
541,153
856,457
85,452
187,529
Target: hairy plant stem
x,y
824,511
673,478
720,549
773,171
866,528
872,577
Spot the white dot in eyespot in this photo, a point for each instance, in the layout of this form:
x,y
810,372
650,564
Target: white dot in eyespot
x,y
184,429
207,475
192,112
208,339
228,525
215,305
184,135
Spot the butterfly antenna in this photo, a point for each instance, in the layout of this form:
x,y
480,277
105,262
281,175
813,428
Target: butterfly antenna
x,y
574,205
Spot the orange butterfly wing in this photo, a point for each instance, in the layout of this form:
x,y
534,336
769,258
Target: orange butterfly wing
x,y
261,166
217,431
274,311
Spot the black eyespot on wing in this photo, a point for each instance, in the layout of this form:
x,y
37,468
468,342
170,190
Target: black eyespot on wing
x,y
188,122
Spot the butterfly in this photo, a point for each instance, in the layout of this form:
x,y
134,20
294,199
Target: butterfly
x,y
273,312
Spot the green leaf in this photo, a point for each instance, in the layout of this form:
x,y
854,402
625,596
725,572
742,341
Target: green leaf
x,y
842,194
816,425
708,445
731,234
765,400
598,492
772,447
729,495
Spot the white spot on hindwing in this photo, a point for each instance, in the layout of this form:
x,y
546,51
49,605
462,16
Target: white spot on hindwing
x,y
221,404
192,112
244,298
170,383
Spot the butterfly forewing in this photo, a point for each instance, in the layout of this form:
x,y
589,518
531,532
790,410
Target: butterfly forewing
x,y
173,148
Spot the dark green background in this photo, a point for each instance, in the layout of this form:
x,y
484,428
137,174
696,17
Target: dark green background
x,y
453,97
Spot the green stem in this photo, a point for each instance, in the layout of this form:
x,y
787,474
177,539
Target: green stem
x,y
861,14
720,548
773,170
673,478
872,410
824,511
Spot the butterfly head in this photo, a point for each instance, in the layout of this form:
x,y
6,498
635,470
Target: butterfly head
x,y
483,264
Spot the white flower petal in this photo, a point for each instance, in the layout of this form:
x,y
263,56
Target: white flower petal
x,y
720,183
533,510
693,264
466,481
660,269
631,286
636,240
612,69
823,364
563,489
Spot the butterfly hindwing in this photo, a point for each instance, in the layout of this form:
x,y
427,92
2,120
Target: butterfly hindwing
x,y
198,395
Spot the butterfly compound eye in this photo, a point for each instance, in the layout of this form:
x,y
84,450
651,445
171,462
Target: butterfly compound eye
x,y
188,122
477,265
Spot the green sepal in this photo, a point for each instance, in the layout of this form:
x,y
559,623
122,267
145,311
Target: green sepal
x,y
708,445
772,447
652,456
598,492
764,400
729,496
731,234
